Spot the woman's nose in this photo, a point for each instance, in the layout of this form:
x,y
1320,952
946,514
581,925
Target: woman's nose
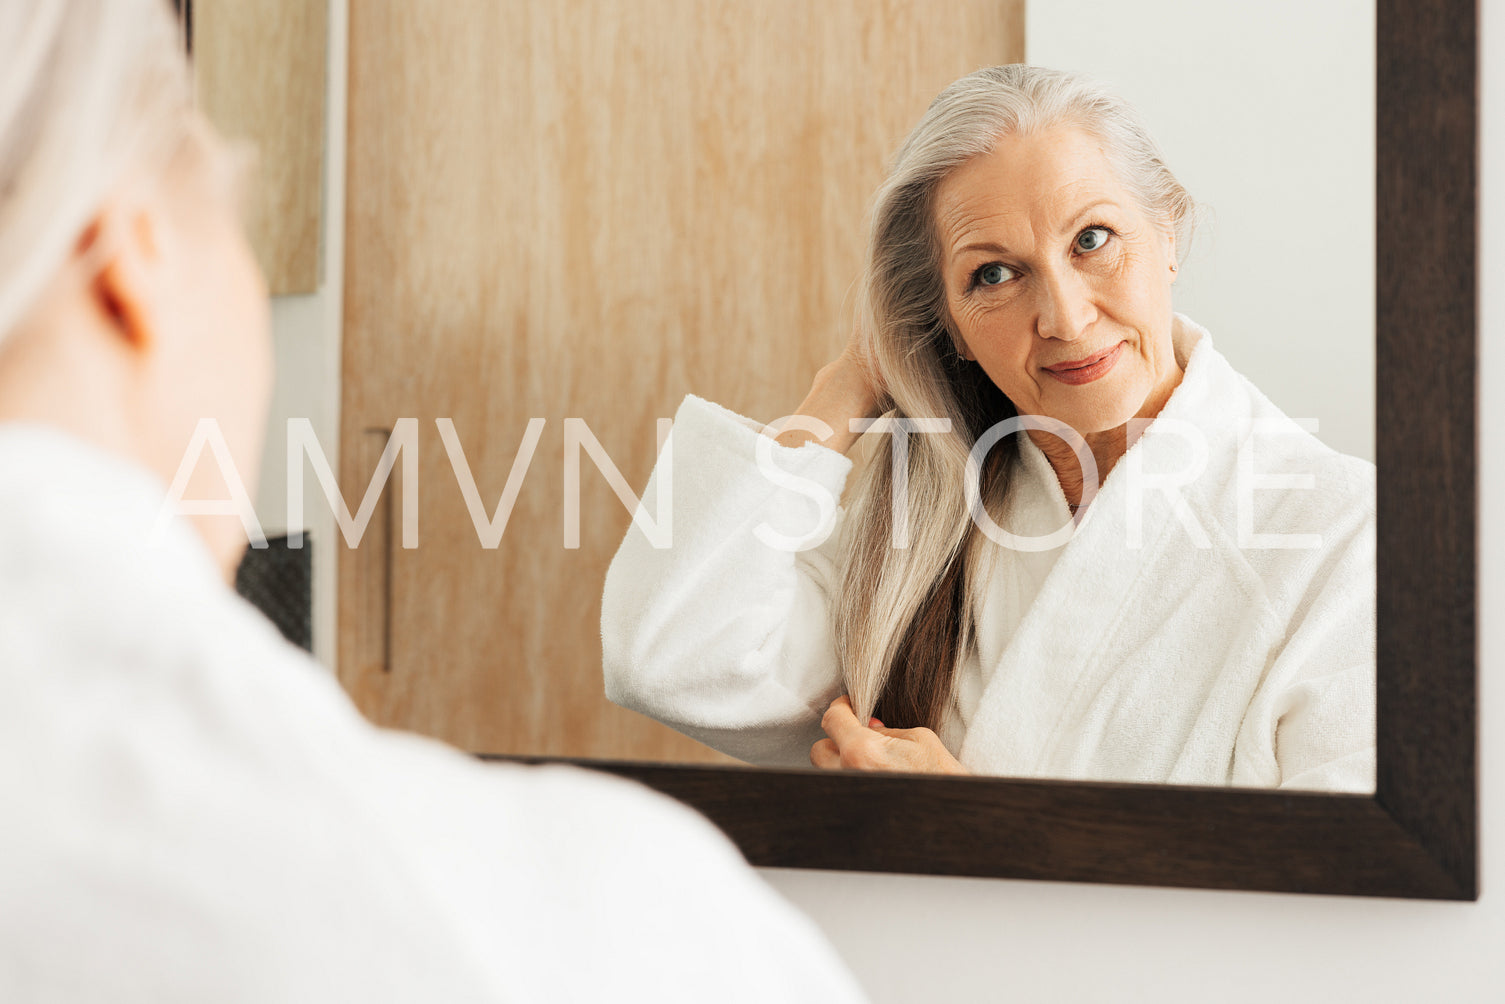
x,y
1066,308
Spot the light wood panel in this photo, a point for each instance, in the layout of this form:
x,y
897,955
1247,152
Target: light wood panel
x,y
259,75
580,209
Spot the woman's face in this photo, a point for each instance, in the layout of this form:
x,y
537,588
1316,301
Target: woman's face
x,y
1057,282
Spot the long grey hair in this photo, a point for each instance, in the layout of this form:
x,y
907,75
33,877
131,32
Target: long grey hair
x,y
904,616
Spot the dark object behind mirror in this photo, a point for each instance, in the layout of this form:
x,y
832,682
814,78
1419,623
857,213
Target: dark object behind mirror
x,y
278,581
1417,835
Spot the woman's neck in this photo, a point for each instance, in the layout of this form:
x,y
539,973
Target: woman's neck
x,y
1107,446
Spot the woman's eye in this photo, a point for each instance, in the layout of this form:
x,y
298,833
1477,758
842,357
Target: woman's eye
x,y
992,275
1092,238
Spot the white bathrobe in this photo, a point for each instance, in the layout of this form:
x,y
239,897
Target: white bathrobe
x,y
191,810
1216,629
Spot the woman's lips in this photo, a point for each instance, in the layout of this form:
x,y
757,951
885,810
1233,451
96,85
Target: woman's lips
x,y
1086,370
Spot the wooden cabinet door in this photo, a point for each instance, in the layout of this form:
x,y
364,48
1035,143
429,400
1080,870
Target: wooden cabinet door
x,y
585,209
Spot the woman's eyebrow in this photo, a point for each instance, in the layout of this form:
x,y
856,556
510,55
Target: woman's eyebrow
x,y
1086,211
993,247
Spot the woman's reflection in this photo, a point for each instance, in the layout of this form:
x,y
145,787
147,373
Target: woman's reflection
x,y
1206,616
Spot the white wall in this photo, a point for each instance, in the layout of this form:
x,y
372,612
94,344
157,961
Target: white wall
x,y
306,332
913,938
925,939
1265,111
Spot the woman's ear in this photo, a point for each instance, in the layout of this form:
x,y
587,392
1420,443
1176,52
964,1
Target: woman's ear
x,y
127,252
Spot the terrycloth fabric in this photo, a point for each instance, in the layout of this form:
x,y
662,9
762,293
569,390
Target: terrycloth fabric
x,y
1177,637
193,811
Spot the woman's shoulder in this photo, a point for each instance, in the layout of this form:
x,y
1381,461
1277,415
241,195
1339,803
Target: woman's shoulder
x,y
1258,449
1282,450
1282,499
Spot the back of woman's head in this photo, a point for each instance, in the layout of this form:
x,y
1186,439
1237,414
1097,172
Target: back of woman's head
x,y
94,94
903,617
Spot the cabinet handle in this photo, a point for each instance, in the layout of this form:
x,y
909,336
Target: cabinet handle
x,y
376,613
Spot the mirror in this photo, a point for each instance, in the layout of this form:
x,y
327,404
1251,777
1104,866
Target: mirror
x,y
672,202
535,303
1214,653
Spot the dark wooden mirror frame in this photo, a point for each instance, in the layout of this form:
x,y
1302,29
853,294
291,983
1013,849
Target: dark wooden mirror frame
x,y
1417,836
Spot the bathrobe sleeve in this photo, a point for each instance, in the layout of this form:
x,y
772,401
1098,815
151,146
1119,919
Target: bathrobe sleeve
x,y
722,635
1312,718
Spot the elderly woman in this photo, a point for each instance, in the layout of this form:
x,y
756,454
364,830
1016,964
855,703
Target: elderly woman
x,y
1069,562
193,809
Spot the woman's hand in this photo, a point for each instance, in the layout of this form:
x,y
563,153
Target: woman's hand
x,y
852,746
848,387
857,358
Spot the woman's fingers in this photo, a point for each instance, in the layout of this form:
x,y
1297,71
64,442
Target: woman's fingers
x,y
841,724
825,755
851,745
856,746
861,348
